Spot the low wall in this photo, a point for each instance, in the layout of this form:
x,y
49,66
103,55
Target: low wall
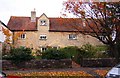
x,y
37,64
98,62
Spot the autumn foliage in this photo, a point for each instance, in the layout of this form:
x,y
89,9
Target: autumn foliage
x,y
102,18
7,34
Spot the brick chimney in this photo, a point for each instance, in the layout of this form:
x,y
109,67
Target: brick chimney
x,y
33,16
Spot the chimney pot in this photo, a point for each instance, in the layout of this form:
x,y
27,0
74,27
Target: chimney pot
x,y
33,16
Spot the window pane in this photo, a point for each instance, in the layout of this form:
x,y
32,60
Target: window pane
x,y
23,36
72,36
43,22
43,37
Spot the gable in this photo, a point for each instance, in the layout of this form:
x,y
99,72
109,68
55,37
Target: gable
x,y
43,20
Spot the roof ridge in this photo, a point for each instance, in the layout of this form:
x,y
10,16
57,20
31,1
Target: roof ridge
x,y
48,17
19,16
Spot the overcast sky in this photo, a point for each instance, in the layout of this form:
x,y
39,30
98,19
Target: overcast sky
x,y
51,8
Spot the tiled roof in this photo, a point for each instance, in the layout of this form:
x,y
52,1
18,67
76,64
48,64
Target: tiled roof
x,y
21,23
56,24
64,24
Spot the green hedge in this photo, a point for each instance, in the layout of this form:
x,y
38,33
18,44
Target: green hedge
x,y
21,54
54,54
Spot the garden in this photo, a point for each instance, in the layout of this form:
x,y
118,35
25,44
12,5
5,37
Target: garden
x,y
23,59
73,53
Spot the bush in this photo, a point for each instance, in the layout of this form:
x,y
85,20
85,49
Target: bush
x,y
21,54
71,51
87,51
101,51
54,54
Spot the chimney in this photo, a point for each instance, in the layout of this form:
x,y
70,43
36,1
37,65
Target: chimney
x,y
33,16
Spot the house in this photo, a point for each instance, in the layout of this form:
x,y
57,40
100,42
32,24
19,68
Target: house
x,y
42,32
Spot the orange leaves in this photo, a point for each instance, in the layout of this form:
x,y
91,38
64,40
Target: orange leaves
x,y
101,72
8,35
6,32
59,73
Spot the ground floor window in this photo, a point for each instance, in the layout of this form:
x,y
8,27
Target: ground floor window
x,y
56,47
43,49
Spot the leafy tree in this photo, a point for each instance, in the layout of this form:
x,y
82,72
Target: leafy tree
x,y
7,34
100,20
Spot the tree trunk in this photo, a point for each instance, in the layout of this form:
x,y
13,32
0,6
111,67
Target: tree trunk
x,y
113,52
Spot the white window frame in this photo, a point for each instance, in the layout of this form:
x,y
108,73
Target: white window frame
x,y
43,37
23,36
43,22
56,47
43,49
102,37
72,36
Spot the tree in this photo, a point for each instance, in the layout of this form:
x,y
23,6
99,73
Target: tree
x,y
100,20
7,34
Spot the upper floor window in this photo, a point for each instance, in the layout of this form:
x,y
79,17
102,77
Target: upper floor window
x,y
43,22
102,38
43,37
72,36
23,36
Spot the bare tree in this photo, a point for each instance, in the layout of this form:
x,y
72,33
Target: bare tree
x,y
100,18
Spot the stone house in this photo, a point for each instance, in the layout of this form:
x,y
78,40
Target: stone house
x,y
42,32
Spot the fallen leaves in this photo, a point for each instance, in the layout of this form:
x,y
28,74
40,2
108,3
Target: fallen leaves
x,y
61,73
101,72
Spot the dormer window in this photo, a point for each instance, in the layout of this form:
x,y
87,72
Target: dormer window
x,y
43,22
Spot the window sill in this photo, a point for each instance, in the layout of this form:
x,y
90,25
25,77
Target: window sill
x,y
43,39
72,39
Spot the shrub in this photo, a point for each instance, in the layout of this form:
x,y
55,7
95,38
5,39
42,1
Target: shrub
x,y
71,51
54,54
87,51
21,54
101,51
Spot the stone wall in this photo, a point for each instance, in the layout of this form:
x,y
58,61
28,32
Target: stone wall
x,y
98,62
38,64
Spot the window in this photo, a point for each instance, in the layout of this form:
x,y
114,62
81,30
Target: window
x,y
23,36
43,37
43,49
43,22
72,36
103,38
56,47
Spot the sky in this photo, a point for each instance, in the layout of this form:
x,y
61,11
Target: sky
x,y
51,8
